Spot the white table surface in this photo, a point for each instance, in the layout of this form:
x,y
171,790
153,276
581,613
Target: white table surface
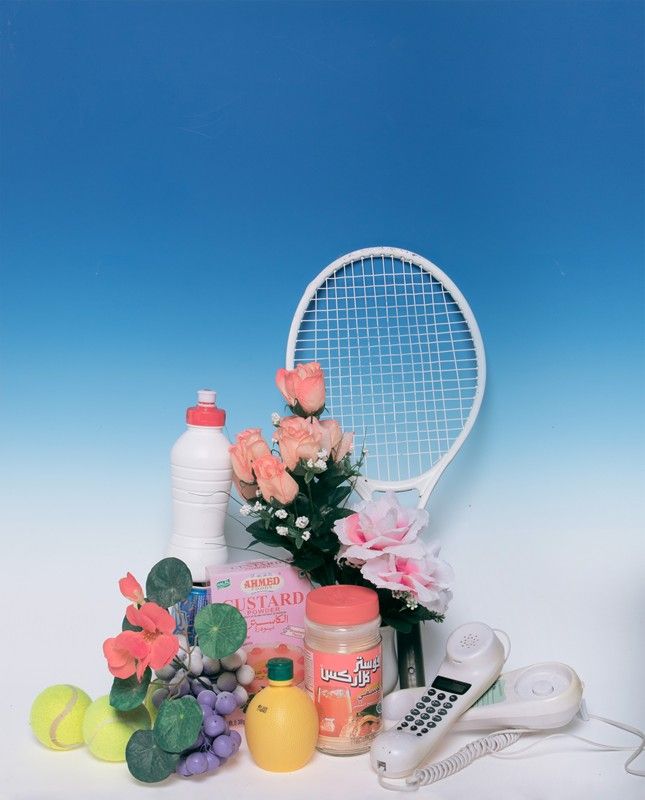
x,y
558,600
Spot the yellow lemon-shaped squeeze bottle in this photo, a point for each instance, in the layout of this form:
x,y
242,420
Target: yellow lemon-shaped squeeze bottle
x,y
281,721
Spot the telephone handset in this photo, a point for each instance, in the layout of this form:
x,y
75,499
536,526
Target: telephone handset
x,y
474,659
541,697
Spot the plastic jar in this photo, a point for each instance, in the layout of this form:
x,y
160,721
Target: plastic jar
x,y
343,671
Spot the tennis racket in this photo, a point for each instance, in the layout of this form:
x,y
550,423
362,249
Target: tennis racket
x,y
405,370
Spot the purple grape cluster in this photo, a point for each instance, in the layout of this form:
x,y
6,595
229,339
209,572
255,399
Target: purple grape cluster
x,y
219,687
216,742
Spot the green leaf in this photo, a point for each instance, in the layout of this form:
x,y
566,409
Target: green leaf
x,y
146,760
178,723
128,693
256,527
220,630
126,625
169,582
338,495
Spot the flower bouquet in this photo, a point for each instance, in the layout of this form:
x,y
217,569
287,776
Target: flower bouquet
x,y
296,493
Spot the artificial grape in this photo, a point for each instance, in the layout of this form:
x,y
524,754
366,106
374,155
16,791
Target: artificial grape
x,y
184,688
236,738
182,768
241,695
222,746
226,703
195,663
226,682
213,760
159,696
182,653
199,742
166,673
211,665
175,683
245,675
235,660
200,684
214,725
197,763
207,698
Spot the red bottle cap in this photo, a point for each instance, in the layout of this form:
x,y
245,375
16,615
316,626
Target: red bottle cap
x,y
342,605
206,413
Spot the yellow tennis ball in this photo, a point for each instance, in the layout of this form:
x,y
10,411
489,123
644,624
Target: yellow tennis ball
x,y
56,716
150,706
106,731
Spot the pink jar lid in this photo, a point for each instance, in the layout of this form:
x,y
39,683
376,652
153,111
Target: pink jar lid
x,y
342,605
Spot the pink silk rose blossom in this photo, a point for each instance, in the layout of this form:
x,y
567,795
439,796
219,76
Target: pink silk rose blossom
x,y
380,527
304,385
248,447
298,439
273,480
427,580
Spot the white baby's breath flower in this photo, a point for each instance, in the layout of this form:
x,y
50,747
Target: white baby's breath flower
x,y
310,463
281,513
282,530
258,493
245,510
411,602
320,464
258,506
306,535
275,418
302,522
322,454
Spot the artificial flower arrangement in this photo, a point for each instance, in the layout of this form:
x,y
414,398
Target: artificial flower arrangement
x,y
299,490
195,685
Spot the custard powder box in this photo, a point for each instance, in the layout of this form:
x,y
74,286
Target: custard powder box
x,y
271,596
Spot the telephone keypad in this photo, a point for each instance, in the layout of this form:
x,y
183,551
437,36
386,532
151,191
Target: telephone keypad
x,y
452,698
441,696
436,718
442,711
425,715
447,705
435,704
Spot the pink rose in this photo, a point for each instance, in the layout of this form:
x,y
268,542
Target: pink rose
x,y
249,446
298,438
381,526
345,446
331,437
427,579
274,480
247,491
304,385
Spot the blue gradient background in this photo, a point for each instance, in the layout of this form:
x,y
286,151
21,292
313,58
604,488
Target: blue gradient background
x,y
172,177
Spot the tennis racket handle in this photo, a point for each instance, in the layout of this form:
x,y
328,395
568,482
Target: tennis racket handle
x,y
410,657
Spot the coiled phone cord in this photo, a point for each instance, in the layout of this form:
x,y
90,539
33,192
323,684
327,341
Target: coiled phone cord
x,y
494,742
490,744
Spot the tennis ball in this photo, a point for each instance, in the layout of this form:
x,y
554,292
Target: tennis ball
x,y
56,716
106,731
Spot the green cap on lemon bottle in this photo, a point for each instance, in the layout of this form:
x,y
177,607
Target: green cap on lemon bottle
x,y
281,723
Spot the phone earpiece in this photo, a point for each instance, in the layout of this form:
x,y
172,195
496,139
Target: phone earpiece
x,y
472,641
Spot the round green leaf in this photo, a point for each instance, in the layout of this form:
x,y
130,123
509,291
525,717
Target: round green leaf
x,y
128,693
169,582
220,630
178,723
146,760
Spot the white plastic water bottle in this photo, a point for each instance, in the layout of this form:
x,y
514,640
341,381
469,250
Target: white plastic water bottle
x,y
201,485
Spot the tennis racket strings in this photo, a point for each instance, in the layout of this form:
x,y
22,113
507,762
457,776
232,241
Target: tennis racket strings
x,y
400,360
